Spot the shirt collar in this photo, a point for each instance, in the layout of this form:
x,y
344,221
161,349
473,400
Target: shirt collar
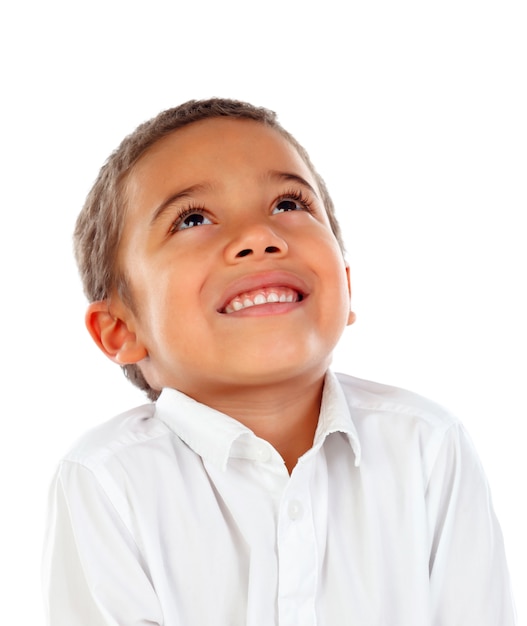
x,y
208,432
212,434
335,416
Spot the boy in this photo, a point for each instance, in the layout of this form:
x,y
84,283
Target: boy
x,y
260,488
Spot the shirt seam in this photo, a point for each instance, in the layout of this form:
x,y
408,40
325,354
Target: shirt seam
x,y
110,502
102,455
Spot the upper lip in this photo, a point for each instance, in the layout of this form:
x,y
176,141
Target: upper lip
x,y
262,280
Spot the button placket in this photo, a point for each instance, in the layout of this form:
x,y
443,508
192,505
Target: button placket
x,y
297,553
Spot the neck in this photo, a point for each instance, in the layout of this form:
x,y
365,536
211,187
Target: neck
x,y
285,415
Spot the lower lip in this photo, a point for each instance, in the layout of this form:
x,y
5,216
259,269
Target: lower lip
x,y
264,310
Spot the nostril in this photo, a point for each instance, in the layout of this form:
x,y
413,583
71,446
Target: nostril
x,y
249,251
245,252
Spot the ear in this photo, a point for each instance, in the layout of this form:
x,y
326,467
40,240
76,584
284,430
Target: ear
x,y
113,335
351,317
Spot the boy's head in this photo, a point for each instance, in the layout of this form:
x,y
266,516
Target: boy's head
x,y
146,177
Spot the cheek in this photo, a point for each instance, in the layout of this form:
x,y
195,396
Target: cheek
x,y
337,300
175,304
339,312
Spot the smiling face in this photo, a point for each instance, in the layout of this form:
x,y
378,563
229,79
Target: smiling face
x,y
236,276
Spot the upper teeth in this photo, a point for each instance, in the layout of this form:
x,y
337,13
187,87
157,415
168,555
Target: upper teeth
x,y
246,300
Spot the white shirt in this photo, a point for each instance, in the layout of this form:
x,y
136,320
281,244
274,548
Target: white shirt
x,y
176,514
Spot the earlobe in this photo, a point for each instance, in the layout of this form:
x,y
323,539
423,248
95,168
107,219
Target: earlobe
x,y
351,317
113,336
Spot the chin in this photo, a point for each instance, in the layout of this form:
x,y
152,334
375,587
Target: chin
x,y
279,371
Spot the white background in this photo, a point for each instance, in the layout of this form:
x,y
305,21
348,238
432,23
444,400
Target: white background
x,y
414,113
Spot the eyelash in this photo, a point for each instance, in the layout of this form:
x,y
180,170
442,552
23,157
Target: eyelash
x,y
184,213
298,196
293,194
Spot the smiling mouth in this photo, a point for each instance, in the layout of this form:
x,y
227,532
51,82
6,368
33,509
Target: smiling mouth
x,y
259,297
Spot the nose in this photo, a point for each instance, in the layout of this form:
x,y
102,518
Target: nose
x,y
258,241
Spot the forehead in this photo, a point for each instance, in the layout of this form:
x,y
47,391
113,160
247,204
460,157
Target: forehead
x,y
214,148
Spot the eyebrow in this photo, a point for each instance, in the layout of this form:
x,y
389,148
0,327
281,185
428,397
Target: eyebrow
x,y
184,193
277,175
188,191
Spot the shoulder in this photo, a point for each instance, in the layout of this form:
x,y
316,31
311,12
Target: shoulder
x,y
406,423
367,398
397,426
134,428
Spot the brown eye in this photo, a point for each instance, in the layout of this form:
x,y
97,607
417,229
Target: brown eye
x,y
288,205
190,219
194,220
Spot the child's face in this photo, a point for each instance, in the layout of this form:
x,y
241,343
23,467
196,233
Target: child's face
x,y
223,214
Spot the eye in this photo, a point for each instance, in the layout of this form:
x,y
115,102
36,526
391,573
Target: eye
x,y
293,201
287,205
189,218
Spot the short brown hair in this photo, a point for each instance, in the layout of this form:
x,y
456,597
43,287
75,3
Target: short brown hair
x,y
99,226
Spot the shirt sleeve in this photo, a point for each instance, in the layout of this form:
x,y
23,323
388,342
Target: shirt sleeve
x,y
469,579
92,569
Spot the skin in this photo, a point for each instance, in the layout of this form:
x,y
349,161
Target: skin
x,y
249,234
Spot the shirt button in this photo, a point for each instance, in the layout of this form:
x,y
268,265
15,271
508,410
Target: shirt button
x,y
295,510
263,454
